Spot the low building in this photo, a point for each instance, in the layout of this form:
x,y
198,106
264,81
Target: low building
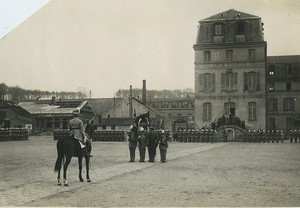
x,y
53,114
14,116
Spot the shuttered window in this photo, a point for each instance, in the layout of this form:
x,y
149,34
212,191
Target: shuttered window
x,y
272,104
252,111
206,82
207,112
288,104
229,81
251,81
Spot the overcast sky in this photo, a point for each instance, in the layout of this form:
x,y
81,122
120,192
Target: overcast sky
x,y
106,45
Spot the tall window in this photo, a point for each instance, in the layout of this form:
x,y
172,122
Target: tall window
x,y
272,123
229,55
288,104
251,81
219,29
229,81
207,112
241,28
228,108
289,123
271,87
271,70
206,82
272,104
289,71
252,111
288,86
207,56
252,54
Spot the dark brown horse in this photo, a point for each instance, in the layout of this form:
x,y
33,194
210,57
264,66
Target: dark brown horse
x,y
69,147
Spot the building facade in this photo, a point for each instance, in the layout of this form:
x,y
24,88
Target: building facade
x,y
283,92
178,113
230,65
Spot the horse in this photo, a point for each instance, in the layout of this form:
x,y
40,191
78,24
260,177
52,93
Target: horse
x,y
69,147
141,118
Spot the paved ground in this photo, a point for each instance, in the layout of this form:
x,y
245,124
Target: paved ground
x,y
196,174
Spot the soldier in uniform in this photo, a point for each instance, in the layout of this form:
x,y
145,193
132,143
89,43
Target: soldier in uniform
x,y
163,146
152,145
225,134
245,136
77,128
142,144
132,142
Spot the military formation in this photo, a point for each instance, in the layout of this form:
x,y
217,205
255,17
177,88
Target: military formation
x,y
272,136
203,135
143,139
14,134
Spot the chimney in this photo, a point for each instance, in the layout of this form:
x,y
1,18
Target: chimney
x,y
130,101
144,92
53,100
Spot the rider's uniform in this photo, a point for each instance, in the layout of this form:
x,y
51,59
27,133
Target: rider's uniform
x,y
77,129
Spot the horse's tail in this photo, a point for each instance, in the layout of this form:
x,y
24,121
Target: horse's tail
x,y
60,156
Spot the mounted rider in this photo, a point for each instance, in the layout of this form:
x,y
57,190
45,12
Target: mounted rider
x,y
77,128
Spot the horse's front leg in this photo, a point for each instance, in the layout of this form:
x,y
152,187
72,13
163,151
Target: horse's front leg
x,y
87,164
68,160
80,169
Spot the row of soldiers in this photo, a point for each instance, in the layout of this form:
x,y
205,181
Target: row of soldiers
x,y
14,134
147,140
203,135
271,136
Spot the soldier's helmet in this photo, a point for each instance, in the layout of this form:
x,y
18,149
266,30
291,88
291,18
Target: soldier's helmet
x,y
131,126
141,128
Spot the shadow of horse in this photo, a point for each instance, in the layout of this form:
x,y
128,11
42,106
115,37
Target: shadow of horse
x,y
69,147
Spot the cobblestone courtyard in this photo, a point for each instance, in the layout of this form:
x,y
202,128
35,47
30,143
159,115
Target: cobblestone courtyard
x,y
196,174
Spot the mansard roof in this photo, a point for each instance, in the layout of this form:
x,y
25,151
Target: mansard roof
x,y
230,14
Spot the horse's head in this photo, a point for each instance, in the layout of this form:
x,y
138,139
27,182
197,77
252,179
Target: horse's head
x,y
142,118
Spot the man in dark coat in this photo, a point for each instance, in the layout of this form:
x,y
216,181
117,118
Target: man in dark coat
x,y
163,146
152,145
142,144
132,142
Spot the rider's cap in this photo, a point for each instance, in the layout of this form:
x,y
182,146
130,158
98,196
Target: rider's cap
x,y
76,112
141,129
131,126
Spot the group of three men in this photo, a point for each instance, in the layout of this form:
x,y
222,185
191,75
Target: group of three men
x,y
147,139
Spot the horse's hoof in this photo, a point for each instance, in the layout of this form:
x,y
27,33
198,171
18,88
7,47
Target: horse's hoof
x,y
66,184
89,180
81,180
59,184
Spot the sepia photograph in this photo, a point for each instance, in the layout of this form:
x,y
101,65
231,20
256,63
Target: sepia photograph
x,y
149,103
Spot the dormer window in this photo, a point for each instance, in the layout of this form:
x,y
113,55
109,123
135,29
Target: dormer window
x,y
219,29
241,28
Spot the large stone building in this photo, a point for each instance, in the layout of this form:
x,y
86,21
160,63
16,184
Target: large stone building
x,y
230,62
283,92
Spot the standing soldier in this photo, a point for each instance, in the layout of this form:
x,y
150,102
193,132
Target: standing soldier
x,y
132,142
278,135
225,134
142,142
264,136
296,135
215,136
152,145
268,135
163,146
245,136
